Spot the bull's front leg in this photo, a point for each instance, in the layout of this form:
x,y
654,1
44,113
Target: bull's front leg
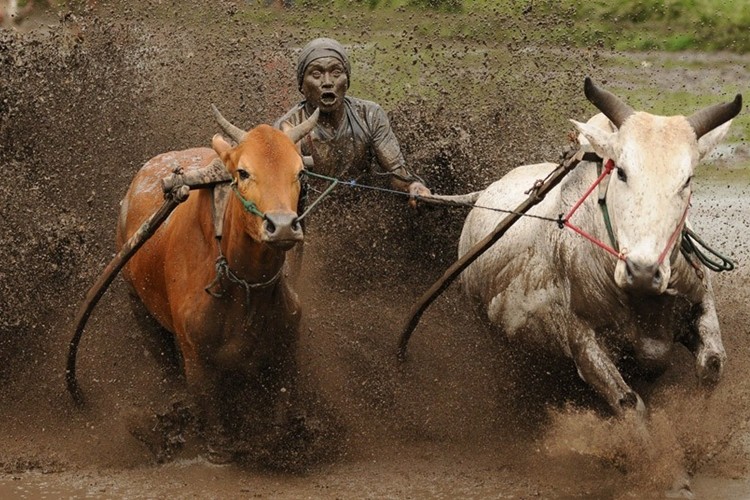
x,y
205,389
704,340
597,370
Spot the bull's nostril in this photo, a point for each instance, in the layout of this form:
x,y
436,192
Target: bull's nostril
x,y
629,271
295,225
657,277
269,226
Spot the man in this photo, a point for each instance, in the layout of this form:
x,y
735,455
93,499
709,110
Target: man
x,y
350,132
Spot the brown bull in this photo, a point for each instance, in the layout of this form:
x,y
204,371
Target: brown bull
x,y
233,316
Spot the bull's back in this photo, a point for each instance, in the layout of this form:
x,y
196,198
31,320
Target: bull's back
x,y
146,269
505,195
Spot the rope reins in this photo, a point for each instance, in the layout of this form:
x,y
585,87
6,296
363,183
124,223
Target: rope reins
x,y
354,183
694,249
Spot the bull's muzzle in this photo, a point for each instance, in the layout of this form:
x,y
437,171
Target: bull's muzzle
x,y
282,229
644,278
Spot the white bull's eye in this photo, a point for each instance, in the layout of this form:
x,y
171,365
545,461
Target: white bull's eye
x,y
622,175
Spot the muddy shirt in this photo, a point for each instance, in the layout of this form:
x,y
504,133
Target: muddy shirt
x,y
365,133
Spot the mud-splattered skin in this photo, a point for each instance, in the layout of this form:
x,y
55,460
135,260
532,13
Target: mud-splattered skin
x,y
554,289
351,132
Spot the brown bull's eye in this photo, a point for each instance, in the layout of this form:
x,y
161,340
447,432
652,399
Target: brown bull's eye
x,y
243,174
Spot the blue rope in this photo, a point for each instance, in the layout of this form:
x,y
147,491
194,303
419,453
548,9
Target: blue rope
x,y
354,183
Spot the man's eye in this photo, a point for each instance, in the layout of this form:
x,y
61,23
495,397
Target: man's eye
x,y
316,74
336,73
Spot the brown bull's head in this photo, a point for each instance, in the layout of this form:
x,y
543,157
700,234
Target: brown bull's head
x,y
265,166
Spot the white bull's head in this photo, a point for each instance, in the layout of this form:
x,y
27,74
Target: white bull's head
x,y
648,196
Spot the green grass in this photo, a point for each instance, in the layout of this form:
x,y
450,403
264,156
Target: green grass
x,y
671,25
490,37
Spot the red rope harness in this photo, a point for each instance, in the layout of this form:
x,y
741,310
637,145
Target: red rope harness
x,y
622,254
608,167
676,232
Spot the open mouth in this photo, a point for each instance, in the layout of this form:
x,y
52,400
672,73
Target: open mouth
x,y
328,98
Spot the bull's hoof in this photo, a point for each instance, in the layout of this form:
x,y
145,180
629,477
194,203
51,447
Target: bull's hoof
x,y
680,489
163,434
710,369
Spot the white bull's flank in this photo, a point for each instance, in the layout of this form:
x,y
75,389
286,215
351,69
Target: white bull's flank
x,y
553,289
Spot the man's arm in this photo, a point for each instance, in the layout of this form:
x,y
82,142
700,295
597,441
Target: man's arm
x,y
389,156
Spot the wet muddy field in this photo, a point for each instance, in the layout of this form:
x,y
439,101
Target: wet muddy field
x,y
86,99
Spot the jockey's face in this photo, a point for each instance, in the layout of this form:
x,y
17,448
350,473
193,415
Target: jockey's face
x,y
325,84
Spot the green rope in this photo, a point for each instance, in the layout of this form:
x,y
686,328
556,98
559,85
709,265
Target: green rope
x,y
608,223
688,247
319,198
250,207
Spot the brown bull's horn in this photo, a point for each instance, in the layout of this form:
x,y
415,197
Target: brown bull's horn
x,y
612,106
233,131
709,118
304,128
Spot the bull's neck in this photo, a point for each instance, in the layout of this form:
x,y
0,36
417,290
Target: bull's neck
x,y
250,259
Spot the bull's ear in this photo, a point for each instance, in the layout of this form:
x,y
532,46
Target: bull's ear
x,y
711,139
601,141
221,146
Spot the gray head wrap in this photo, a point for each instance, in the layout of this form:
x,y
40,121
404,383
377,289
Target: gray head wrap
x,y
321,47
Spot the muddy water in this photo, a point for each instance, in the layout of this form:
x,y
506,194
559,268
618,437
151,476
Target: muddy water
x,y
84,104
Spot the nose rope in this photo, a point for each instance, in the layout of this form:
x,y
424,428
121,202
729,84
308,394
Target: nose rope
x,y
676,233
324,194
249,206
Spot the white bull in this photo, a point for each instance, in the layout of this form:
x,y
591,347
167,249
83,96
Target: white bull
x,y
554,289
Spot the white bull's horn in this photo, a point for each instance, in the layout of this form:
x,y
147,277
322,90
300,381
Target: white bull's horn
x,y
612,106
709,118
233,131
304,128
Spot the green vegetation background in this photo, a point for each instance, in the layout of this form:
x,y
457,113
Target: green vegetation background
x,y
670,25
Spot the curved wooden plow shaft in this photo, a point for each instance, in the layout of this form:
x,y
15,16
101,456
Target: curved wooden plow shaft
x,y
174,198
537,195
